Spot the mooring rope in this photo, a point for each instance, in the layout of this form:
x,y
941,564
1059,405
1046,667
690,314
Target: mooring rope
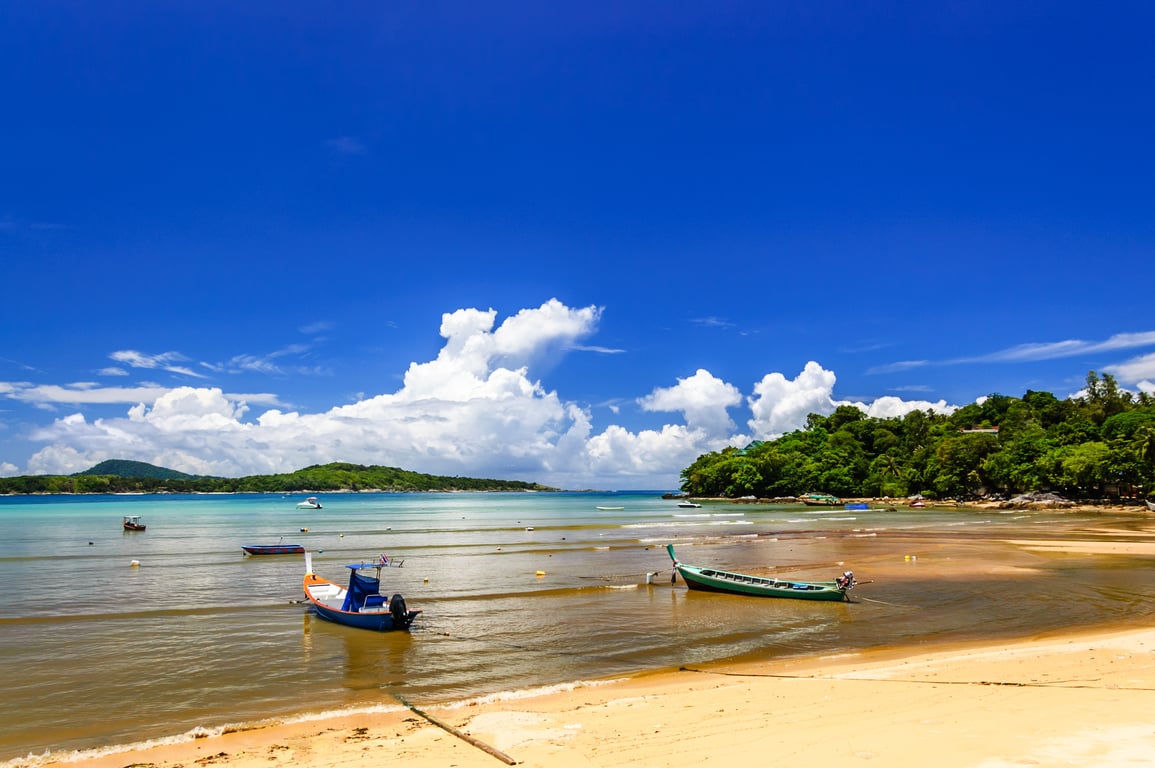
x,y
459,733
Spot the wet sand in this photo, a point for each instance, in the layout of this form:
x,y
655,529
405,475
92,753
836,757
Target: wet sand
x,y
1083,700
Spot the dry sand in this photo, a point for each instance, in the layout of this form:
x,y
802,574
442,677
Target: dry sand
x,y
1082,700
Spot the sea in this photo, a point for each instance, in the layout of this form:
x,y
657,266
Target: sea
x,y
111,638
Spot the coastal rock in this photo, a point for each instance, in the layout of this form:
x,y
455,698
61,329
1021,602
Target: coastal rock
x,y
1036,500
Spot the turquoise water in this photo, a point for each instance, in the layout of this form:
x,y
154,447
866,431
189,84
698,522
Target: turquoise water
x,y
98,652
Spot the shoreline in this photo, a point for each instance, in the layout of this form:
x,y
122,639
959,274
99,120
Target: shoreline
x,y
1132,506
1078,698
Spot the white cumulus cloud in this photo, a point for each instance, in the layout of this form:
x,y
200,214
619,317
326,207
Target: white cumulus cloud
x,y
478,409
1137,370
703,398
780,405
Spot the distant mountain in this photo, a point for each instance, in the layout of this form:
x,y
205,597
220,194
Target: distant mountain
x,y
123,468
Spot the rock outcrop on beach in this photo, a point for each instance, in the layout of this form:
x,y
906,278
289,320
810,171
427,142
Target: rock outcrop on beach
x,y
1036,500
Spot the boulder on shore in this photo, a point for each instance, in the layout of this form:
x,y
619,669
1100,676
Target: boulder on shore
x,y
1037,500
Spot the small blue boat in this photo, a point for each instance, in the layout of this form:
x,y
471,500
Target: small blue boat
x,y
361,603
273,549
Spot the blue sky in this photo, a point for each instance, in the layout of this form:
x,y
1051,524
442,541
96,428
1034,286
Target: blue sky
x,y
573,243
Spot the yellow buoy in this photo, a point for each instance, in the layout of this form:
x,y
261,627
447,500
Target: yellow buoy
x,y
541,573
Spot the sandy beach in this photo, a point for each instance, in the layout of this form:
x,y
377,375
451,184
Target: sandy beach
x,y
1084,700
1080,698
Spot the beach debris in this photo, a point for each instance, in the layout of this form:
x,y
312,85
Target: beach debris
x,y
459,733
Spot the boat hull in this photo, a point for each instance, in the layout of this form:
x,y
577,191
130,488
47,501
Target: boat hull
x,y
378,621
727,582
710,580
273,549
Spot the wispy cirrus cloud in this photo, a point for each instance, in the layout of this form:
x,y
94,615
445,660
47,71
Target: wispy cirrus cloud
x,y
271,363
712,322
902,365
1056,349
91,393
165,361
321,326
600,350
1033,352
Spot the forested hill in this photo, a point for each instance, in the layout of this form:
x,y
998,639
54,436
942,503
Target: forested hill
x,y
137,477
124,468
1099,445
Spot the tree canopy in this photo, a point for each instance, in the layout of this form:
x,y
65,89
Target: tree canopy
x,y
1098,445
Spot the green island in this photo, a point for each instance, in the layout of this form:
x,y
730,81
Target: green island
x,y
119,476
1100,445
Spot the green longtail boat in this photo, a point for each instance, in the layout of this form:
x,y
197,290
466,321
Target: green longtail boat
x,y
713,580
819,500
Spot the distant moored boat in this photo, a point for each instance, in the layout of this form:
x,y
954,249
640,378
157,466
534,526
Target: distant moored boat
x,y
819,500
273,549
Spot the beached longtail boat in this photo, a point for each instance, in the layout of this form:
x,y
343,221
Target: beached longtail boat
x,y
1150,505
360,604
714,580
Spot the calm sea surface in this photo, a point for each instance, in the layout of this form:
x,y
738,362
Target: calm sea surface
x,y
96,652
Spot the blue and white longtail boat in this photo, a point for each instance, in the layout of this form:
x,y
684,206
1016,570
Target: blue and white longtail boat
x,y
360,604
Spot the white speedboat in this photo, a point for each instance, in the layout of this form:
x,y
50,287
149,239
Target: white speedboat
x,y
310,503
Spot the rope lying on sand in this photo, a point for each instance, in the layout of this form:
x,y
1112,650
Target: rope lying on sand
x,y
459,733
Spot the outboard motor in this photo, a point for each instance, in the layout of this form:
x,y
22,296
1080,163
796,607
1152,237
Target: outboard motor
x,y
399,612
